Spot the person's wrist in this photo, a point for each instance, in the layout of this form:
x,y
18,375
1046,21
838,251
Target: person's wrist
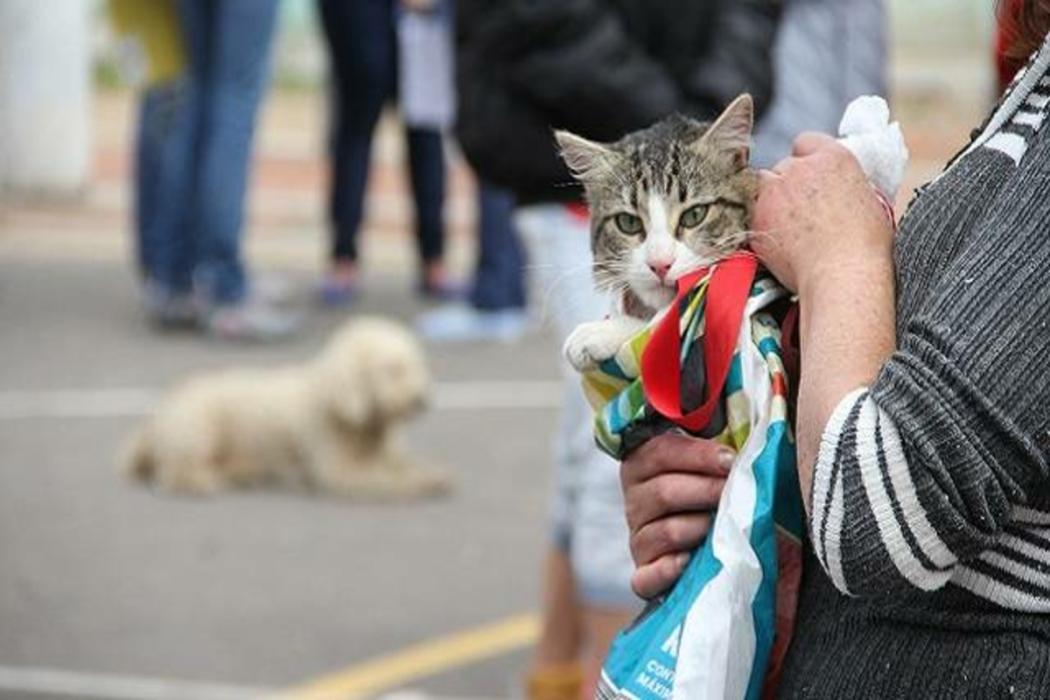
x,y
860,265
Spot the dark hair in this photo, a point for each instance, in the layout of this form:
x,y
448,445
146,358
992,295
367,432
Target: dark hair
x,y
1026,23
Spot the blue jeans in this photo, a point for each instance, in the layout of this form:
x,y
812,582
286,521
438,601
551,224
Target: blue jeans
x,y
160,164
499,276
195,143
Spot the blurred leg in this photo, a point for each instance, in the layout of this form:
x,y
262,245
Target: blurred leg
x,y
359,36
554,672
496,309
163,177
426,160
195,16
600,555
335,22
195,19
561,635
601,626
149,171
238,37
163,171
601,558
557,243
499,276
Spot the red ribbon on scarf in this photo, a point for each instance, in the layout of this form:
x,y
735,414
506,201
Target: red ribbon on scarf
x,y
728,291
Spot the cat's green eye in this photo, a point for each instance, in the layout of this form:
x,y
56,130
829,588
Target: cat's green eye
x,y
628,223
693,216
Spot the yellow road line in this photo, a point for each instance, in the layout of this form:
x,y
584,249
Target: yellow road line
x,y
423,659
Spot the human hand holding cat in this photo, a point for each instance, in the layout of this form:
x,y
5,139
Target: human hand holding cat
x,y
821,229
818,216
671,484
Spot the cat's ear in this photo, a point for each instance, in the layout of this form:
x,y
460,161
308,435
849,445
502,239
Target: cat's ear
x,y
731,132
584,158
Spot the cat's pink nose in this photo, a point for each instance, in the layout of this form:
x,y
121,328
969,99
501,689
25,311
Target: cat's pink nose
x,y
660,269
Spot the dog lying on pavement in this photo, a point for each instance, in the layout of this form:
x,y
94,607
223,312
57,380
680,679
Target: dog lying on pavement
x,y
327,425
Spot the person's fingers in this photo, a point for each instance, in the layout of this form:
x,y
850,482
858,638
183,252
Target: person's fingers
x,y
674,452
671,535
810,142
651,580
670,494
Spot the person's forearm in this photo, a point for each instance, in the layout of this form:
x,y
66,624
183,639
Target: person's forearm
x,y
847,332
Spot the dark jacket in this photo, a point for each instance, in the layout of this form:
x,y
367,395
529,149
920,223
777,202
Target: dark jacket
x,y
600,68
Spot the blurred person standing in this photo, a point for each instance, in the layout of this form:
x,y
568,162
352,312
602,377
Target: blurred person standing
x,y
827,53
151,56
599,68
363,48
228,44
496,306
193,152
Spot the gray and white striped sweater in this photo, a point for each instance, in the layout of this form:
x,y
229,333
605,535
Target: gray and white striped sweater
x,y
925,479
929,574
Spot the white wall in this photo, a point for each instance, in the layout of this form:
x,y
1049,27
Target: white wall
x,y
934,25
44,96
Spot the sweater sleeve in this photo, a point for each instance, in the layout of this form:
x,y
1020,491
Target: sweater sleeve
x,y
920,472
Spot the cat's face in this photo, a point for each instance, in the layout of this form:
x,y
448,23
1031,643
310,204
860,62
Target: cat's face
x,y
666,200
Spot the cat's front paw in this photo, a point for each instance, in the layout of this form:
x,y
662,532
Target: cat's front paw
x,y
593,343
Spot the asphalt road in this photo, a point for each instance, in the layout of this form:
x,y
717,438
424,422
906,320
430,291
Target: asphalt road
x,y
253,589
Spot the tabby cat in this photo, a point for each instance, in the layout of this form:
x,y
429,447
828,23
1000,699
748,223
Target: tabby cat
x,y
664,201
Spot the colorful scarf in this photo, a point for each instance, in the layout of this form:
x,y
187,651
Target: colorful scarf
x,y
713,366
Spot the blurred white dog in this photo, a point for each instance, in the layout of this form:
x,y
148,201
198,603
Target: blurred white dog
x,y
325,425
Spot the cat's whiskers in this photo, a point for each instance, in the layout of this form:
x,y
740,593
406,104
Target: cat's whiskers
x,y
557,266
613,267
736,239
636,186
566,272
773,236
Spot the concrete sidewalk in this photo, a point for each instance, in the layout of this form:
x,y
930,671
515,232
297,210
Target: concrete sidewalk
x,y
248,589
111,591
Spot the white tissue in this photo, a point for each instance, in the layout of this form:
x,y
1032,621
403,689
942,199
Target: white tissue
x,y
876,142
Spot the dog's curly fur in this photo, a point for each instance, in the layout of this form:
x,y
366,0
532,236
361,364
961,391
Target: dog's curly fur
x,y
325,425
